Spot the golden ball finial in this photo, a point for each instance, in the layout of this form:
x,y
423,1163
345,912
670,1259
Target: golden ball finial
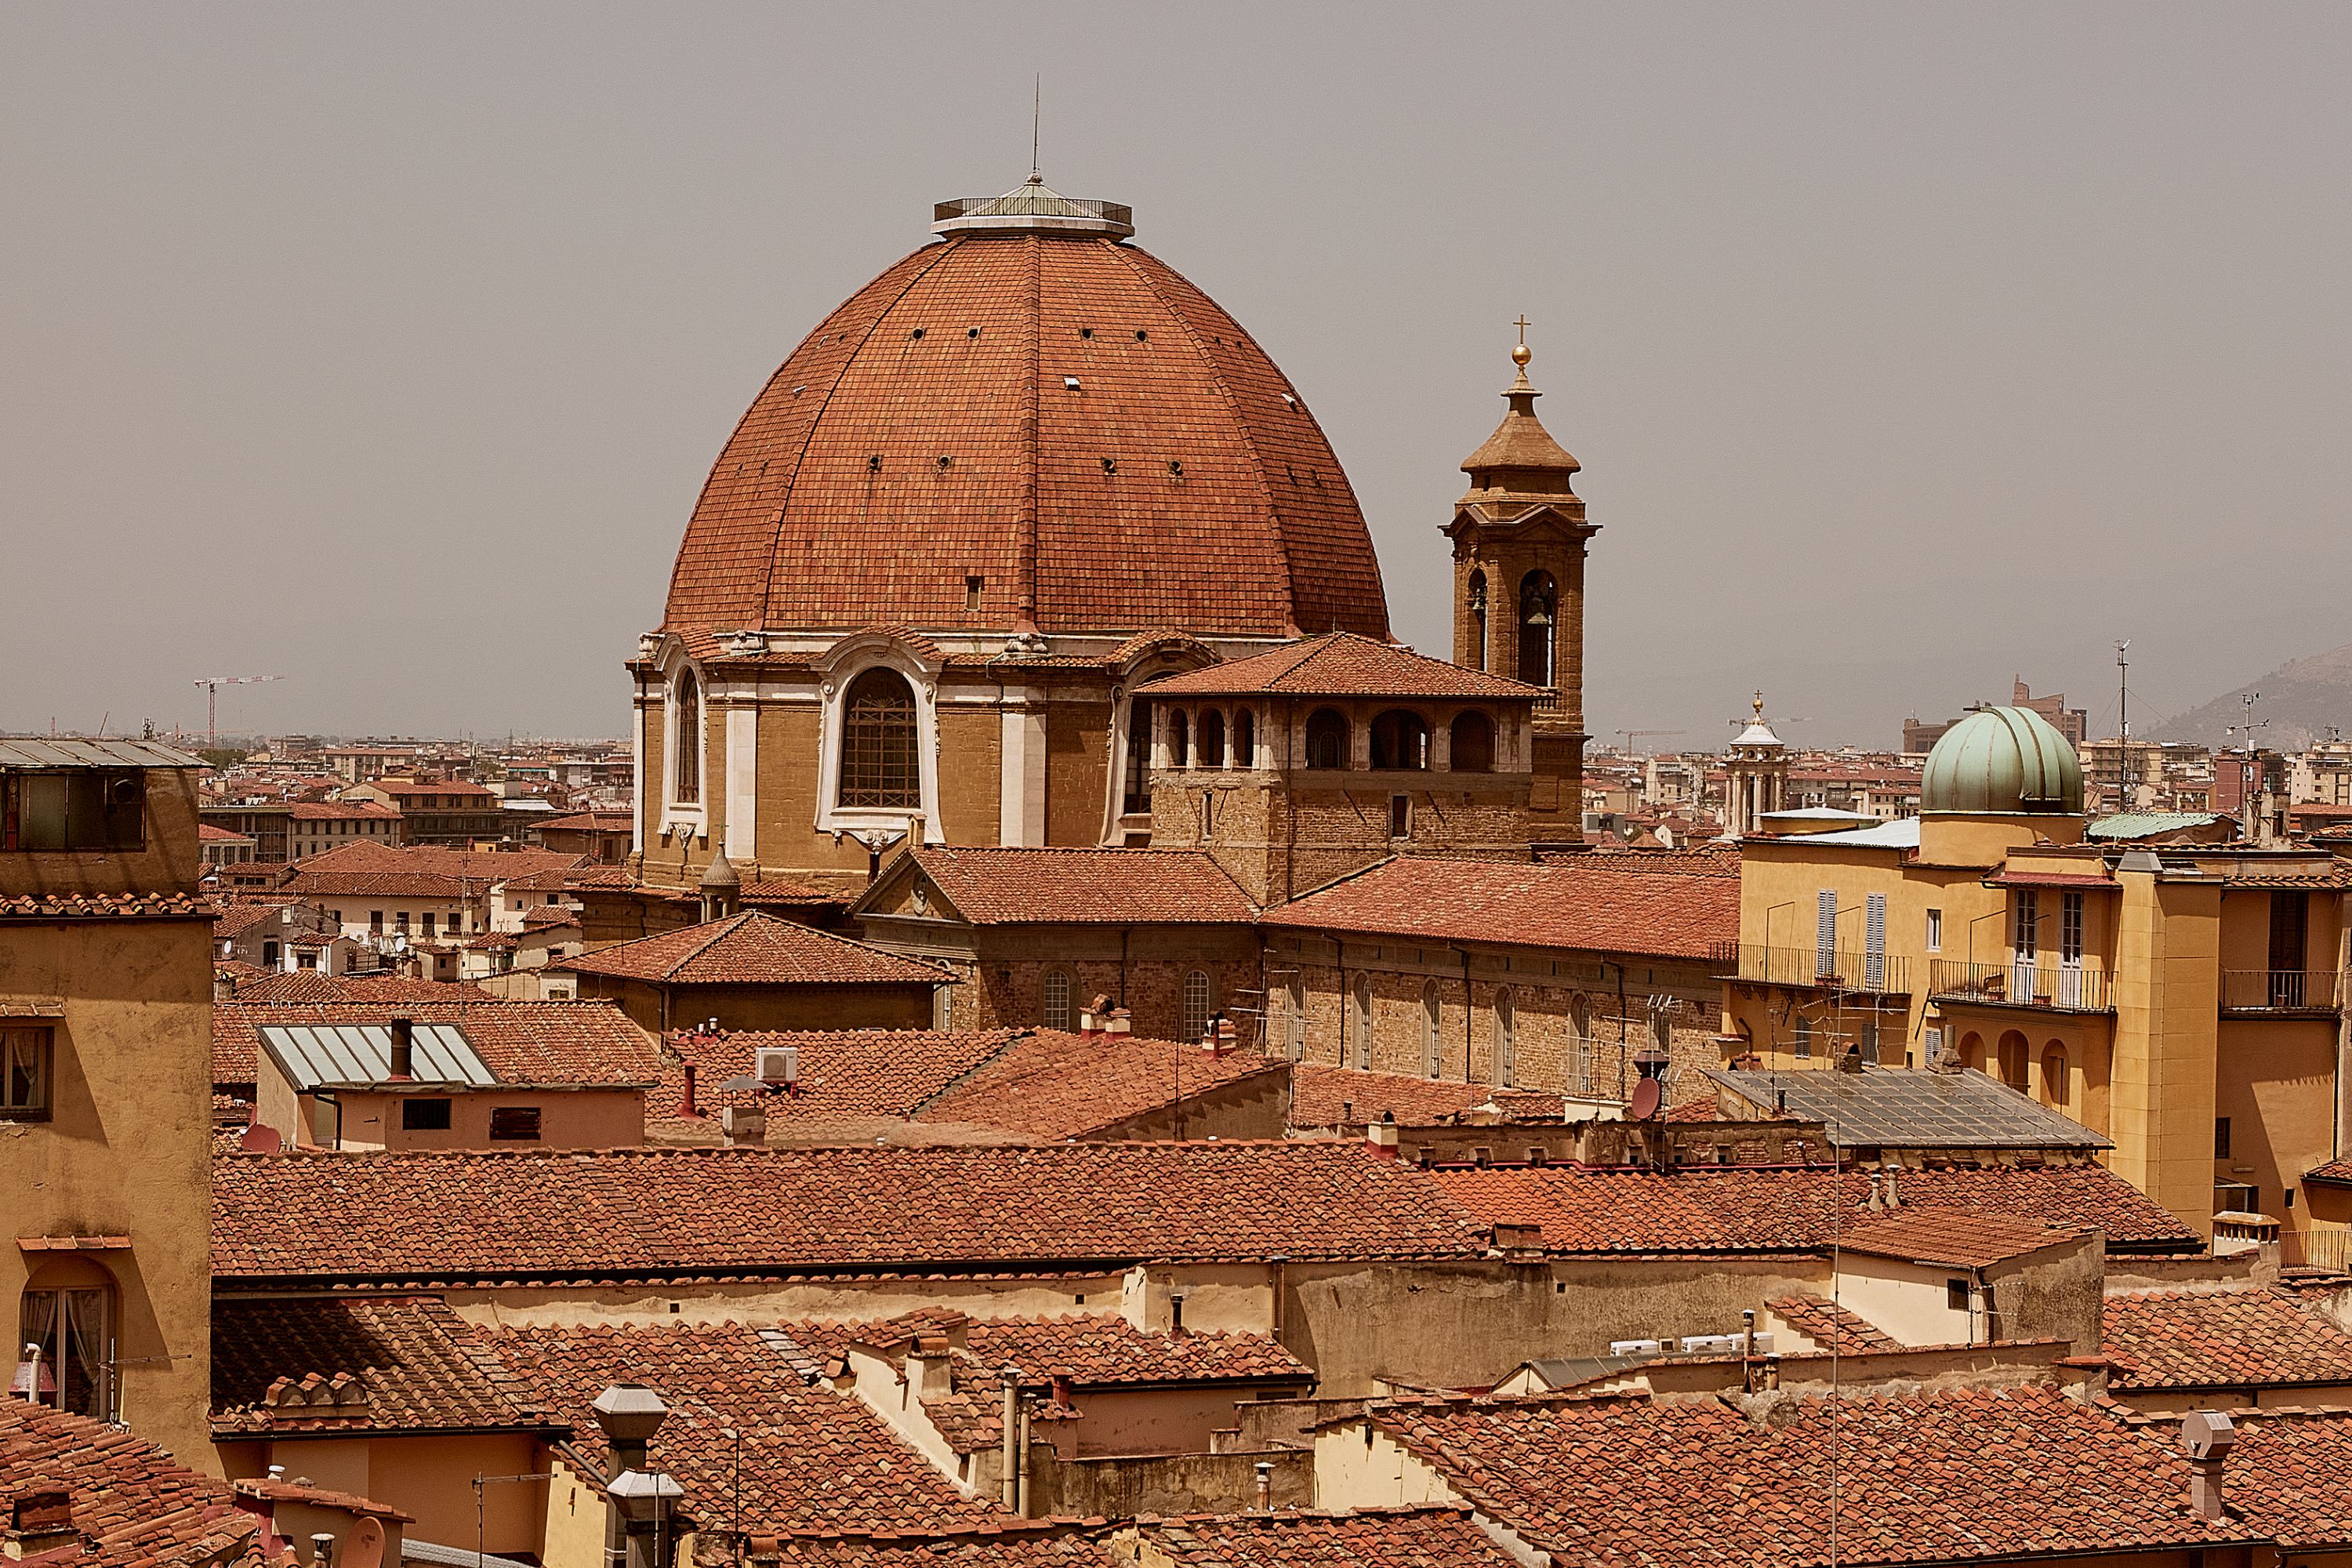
x,y
1521,354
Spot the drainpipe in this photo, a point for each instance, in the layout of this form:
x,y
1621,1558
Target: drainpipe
x,y
1021,1468
1008,1484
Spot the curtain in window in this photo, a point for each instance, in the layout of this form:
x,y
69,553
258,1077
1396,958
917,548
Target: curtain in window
x,y
82,1376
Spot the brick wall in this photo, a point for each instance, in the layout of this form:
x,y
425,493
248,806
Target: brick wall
x,y
1277,839
1001,974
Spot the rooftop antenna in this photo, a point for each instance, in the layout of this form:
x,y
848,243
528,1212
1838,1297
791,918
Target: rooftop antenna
x,y
1036,114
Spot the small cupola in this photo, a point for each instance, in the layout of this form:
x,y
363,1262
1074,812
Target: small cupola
x,y
1520,458
722,889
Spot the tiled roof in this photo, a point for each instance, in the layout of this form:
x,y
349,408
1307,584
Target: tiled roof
x,y
549,917
591,822
1910,1108
2334,875
1955,1475
1085,887
1829,1325
1009,1544
753,949
810,1459
310,985
568,1044
401,1216
846,1075
207,833
131,1502
1094,1351
415,1365
1586,904
1747,1208
1952,1239
1050,1084
787,892
416,871
929,430
1325,1096
232,917
1341,665
1436,1537
2219,1339
343,811
105,907
1704,861
2336,1173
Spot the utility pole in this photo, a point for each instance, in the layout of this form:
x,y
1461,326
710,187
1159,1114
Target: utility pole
x,y
212,685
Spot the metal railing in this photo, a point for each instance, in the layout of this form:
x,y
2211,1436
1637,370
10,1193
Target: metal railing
x,y
2281,991
2055,987
2313,1249
1832,970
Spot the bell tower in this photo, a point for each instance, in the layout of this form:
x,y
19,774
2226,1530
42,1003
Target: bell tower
x,y
1518,590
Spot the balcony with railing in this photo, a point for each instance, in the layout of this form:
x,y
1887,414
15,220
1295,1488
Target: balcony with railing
x,y
2050,987
2281,991
1813,968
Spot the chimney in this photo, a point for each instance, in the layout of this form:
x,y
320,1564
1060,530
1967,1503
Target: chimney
x,y
1062,1389
404,1046
1851,1060
224,986
41,1521
323,1550
1119,1023
1221,1038
1264,1486
745,1126
686,1106
1381,1138
2206,1439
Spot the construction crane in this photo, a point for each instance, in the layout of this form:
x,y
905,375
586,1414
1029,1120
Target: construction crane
x,y
1634,735
212,685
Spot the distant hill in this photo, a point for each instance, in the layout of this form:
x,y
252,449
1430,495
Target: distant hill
x,y
2303,699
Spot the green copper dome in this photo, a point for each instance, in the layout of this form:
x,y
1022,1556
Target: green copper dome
x,y
2002,762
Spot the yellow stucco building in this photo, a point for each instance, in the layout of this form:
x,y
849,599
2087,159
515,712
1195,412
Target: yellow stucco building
x,y
2184,1000
106,1085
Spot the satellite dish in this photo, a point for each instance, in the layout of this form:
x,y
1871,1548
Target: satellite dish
x,y
363,1547
1646,1096
1628,831
260,1140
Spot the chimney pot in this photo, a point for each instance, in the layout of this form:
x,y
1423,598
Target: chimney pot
x,y
1381,1138
404,1046
2206,1438
323,1550
687,1109
1264,1486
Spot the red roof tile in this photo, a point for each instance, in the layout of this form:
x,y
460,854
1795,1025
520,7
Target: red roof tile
x,y
926,433
129,1502
1953,1238
809,1457
753,949
1050,1084
1342,664
1325,1096
846,1075
1829,1325
2220,1339
730,1211
308,986
1102,1350
413,1363
541,1044
1955,1475
1585,904
41,907
1372,1538
1083,887
416,871
1011,1543
1740,1209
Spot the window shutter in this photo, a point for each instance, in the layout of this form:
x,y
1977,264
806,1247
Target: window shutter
x,y
1825,931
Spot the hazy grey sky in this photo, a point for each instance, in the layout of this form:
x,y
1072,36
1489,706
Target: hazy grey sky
x,y
387,348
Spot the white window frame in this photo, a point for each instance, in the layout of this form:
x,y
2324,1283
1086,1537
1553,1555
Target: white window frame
x,y
843,664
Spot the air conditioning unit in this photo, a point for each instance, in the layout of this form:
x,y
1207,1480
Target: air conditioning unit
x,y
1713,1344
1636,1347
778,1065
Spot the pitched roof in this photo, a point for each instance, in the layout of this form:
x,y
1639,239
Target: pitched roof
x,y
1083,886
1009,1544
1952,1239
1050,1084
310,985
1438,1537
846,1075
1829,1325
577,1044
1739,1208
1326,1096
1956,1474
62,906
1911,1108
234,917
1099,1350
1586,904
343,811
1343,665
753,949
131,1502
810,1457
591,822
2219,1339
365,867
664,1211
418,1364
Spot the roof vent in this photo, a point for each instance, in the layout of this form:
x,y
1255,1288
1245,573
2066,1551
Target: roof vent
x,y
916,335
1070,383
971,332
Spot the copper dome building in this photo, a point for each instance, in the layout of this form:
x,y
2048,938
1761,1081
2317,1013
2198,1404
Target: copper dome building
x,y
1004,486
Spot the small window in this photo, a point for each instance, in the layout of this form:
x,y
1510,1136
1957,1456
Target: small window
x,y
1196,1005
971,585
430,1116
25,1058
1399,816
1506,1063
1956,1294
514,1124
1363,1023
1058,999
428,925
2221,1138
1934,931
400,923
687,738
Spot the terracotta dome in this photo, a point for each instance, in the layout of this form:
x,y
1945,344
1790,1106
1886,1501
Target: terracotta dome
x,y
1032,402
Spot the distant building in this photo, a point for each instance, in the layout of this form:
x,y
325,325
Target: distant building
x,y
2071,723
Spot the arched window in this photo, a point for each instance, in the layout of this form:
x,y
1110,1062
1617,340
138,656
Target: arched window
x,y
1056,999
2057,1085
686,735
1196,1005
1363,1022
1432,1050
1400,740
1507,1044
1327,738
1245,738
1477,620
878,767
1212,739
2012,1060
1473,743
68,1310
1538,612
1180,739
1135,794
1972,1051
